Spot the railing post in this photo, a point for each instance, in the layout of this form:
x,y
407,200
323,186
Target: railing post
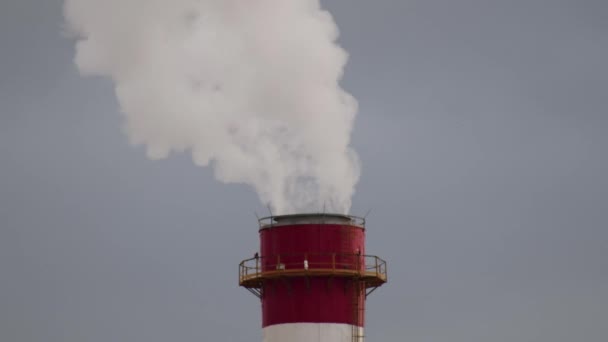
x,y
376,260
333,263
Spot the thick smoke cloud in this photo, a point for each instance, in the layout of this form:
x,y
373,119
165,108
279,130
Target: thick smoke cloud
x,y
250,88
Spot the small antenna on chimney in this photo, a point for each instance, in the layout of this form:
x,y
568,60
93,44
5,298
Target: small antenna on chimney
x,y
271,216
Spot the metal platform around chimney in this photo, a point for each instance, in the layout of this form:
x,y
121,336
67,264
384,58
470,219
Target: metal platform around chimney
x,y
311,218
370,270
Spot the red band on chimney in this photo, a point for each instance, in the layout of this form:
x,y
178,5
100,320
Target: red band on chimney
x,y
312,298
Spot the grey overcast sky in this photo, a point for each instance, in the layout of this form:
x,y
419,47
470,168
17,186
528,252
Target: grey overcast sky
x,y
483,136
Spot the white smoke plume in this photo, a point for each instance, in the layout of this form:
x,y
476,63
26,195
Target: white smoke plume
x,y
249,87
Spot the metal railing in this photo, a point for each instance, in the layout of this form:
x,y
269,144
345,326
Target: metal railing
x,y
269,221
320,264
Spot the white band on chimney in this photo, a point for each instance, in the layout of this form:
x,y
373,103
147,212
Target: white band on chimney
x,y
307,332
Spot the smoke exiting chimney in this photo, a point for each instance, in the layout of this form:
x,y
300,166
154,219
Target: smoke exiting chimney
x,y
250,88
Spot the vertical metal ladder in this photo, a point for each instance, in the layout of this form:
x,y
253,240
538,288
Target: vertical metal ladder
x,y
352,259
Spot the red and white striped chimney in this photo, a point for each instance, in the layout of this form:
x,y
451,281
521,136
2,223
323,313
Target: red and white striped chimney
x,y
312,276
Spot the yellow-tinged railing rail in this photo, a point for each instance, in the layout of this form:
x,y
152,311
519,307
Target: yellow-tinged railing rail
x,y
367,267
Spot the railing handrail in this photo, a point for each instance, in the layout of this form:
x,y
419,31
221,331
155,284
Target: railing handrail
x,y
270,220
289,254
305,255
259,265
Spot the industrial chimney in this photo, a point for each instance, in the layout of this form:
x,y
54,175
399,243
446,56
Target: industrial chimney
x,y
312,276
